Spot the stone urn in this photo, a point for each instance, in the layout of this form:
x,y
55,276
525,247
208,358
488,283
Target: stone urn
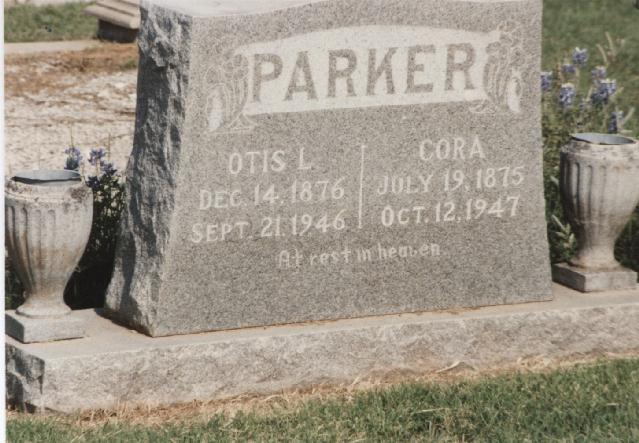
x,y
599,185
48,216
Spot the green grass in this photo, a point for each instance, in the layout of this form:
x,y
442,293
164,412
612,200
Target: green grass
x,y
595,403
25,23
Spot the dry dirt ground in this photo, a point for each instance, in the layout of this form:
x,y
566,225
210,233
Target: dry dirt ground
x,y
55,99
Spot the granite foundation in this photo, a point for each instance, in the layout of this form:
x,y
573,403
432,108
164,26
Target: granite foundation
x,y
115,366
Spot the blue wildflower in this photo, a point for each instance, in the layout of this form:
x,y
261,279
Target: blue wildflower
x,y
108,168
546,80
568,68
96,155
93,182
567,94
580,56
615,122
609,86
599,73
74,158
605,89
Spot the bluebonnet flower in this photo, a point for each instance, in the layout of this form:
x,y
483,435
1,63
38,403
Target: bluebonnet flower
x,y
609,86
567,95
568,68
615,122
579,56
599,73
546,80
93,182
605,89
74,158
108,168
96,155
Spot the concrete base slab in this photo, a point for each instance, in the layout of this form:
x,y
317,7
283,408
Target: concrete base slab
x,y
122,13
114,366
585,280
36,330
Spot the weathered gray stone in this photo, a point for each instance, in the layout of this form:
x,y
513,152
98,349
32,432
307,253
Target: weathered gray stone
x,y
118,20
600,190
591,280
267,133
34,330
48,217
122,13
115,366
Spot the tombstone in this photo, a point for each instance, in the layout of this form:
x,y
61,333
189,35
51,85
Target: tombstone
x,y
300,160
317,160
118,20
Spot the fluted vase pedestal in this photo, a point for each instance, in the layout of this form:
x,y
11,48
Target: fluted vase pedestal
x,y
599,186
48,216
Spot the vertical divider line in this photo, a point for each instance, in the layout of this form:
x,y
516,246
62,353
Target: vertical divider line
x,y
361,187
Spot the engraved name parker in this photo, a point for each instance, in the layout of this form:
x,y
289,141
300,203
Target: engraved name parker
x,y
367,66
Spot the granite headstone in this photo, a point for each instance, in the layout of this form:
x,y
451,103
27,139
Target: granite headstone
x,y
300,160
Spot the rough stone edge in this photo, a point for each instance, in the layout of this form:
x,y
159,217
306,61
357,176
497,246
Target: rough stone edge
x,y
170,374
164,44
24,379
